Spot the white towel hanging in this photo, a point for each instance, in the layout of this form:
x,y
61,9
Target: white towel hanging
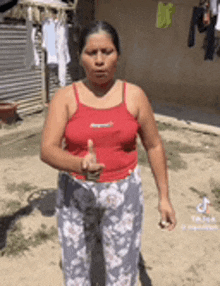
x,y
217,26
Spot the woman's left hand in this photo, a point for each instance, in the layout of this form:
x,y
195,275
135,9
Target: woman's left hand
x,y
168,219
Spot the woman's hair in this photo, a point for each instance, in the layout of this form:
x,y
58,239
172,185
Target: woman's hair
x,y
96,27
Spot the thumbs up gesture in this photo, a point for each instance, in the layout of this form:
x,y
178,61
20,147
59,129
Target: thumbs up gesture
x,y
91,169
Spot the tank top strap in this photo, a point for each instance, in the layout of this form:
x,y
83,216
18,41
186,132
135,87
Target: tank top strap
x,y
76,93
124,93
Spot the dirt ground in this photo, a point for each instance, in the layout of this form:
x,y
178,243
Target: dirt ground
x,y
187,256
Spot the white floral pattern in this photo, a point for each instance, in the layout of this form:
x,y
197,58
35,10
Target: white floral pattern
x,y
137,175
121,207
79,281
123,280
123,252
113,260
121,240
124,187
111,198
72,232
125,224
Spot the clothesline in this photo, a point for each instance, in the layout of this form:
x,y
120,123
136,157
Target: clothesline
x,y
54,5
38,11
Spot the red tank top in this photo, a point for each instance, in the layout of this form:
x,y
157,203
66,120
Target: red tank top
x,y
114,133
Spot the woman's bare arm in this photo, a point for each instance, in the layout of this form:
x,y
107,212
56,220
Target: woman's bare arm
x,y
152,143
52,136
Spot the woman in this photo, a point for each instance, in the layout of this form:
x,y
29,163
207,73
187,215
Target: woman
x,y
99,184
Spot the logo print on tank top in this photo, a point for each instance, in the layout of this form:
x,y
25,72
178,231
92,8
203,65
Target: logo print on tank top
x,y
104,125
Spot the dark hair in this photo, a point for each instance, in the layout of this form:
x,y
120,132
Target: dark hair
x,y
95,27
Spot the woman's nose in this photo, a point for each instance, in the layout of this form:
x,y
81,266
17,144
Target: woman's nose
x,y
99,58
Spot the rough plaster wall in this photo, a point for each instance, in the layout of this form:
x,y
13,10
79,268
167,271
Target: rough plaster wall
x,y
159,59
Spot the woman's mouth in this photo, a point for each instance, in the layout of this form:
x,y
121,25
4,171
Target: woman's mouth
x,y
100,73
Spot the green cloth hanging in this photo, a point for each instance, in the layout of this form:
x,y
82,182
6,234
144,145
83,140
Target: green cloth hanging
x,y
171,9
164,15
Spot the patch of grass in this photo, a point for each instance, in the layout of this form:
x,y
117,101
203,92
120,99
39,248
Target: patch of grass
x,y
216,192
173,150
17,244
177,146
11,187
12,206
175,162
201,194
43,235
216,203
23,187
43,226
26,187
214,196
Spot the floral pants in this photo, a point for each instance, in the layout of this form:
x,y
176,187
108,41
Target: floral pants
x,y
116,209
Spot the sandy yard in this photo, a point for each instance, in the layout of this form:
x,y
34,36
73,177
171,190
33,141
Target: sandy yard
x,y
188,256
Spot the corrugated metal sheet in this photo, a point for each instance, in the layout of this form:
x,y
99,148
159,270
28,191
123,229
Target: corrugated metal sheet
x,y
19,83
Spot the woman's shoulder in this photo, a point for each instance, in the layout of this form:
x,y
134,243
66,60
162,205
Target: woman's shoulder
x,y
133,89
137,97
65,94
134,92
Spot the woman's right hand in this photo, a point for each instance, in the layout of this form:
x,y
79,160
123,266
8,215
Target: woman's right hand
x,y
90,168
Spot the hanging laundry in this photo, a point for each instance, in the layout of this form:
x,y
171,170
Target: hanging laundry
x,y
171,9
217,26
161,15
29,51
214,7
49,40
55,41
36,55
164,15
32,58
198,20
63,55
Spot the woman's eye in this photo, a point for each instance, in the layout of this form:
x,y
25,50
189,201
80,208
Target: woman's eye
x,y
91,53
107,52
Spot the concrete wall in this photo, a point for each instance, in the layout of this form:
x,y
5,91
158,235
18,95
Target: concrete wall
x,y
158,59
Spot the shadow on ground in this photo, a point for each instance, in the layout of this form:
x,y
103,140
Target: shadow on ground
x,y
45,201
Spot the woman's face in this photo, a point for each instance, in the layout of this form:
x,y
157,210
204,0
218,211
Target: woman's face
x,y
99,58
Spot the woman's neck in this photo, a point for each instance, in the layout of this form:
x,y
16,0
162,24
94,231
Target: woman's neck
x,y
99,90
